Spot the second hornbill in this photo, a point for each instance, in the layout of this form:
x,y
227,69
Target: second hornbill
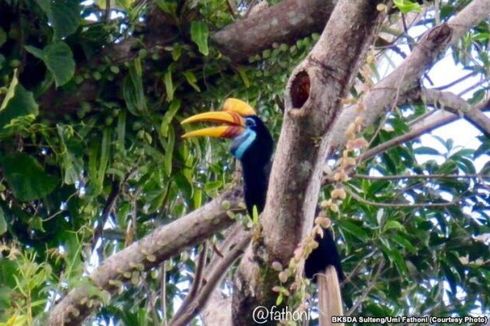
x,y
253,146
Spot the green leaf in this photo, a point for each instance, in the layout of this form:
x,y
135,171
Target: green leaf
x,y
98,161
169,150
424,150
58,58
22,104
169,7
27,177
169,85
121,130
183,184
191,79
355,230
3,222
36,223
407,6
392,224
176,52
279,299
72,164
403,242
133,91
451,277
10,92
63,15
199,35
243,75
196,199
168,117
115,4
255,215
212,186
396,258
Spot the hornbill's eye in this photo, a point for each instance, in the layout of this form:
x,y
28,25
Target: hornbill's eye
x,y
249,122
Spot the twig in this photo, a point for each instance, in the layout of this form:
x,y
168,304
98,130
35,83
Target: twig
x,y
378,130
109,206
216,250
472,87
163,294
58,212
107,15
421,117
437,12
405,30
397,205
418,176
106,211
215,275
361,263
196,284
372,284
422,127
231,7
162,243
417,130
456,81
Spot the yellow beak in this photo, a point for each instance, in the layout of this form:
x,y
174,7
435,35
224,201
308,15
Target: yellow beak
x,y
233,124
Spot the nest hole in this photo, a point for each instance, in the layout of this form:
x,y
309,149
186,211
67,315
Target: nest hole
x,y
300,89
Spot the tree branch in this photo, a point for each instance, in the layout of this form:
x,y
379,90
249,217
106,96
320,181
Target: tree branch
x,y
384,95
416,176
312,103
166,241
286,21
398,205
196,284
459,106
215,274
422,127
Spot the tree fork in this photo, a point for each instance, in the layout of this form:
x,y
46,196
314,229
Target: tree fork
x,y
313,99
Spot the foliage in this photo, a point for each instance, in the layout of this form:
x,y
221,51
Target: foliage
x,y
84,122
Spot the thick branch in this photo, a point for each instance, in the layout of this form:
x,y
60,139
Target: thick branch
x,y
161,244
455,104
312,102
286,21
435,121
384,95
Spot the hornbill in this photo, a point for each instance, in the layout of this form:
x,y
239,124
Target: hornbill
x,y
253,146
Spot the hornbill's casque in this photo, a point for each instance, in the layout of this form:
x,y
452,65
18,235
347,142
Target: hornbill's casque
x,y
253,146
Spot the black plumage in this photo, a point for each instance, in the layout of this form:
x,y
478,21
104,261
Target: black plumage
x,y
255,159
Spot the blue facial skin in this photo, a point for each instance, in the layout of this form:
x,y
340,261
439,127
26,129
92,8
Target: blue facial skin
x,y
242,143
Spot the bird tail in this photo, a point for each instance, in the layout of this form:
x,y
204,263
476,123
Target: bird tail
x,y
329,297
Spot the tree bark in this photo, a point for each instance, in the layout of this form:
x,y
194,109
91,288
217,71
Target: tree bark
x,y
455,104
313,99
284,22
152,250
384,95
318,109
